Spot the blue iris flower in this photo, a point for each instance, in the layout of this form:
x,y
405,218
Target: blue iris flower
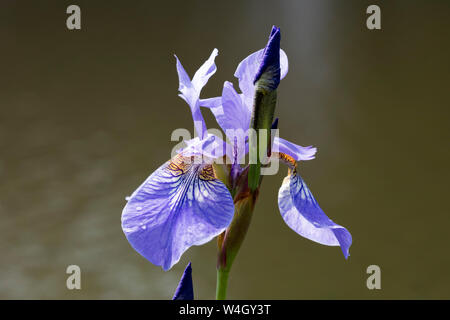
x,y
184,203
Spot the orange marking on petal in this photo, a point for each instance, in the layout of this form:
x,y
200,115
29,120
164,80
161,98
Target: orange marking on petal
x,y
207,173
287,159
179,165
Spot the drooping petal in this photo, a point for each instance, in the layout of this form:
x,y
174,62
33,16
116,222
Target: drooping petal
x,y
190,90
185,289
302,214
180,205
295,151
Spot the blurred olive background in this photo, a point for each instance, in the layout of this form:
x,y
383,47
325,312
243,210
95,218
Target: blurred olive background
x,y
86,116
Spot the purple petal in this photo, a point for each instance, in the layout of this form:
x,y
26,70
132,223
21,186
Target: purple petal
x,y
229,110
190,91
185,289
180,205
295,151
248,68
302,214
233,116
210,146
211,102
234,119
205,72
245,72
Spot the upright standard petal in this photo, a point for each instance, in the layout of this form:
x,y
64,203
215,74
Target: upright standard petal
x,y
233,116
247,69
245,72
190,90
302,214
295,151
229,109
205,72
180,205
185,289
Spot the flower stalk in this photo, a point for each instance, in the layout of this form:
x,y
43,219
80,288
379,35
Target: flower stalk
x,y
231,240
266,82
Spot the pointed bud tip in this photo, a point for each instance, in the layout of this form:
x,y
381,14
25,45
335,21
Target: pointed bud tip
x,y
185,289
274,30
275,124
269,69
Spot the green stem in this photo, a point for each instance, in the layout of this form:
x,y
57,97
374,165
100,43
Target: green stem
x,y
230,241
222,283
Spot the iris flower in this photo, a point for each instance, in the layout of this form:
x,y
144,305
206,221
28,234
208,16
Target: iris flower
x,y
191,199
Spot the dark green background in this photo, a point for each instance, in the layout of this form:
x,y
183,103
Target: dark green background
x,y
86,116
